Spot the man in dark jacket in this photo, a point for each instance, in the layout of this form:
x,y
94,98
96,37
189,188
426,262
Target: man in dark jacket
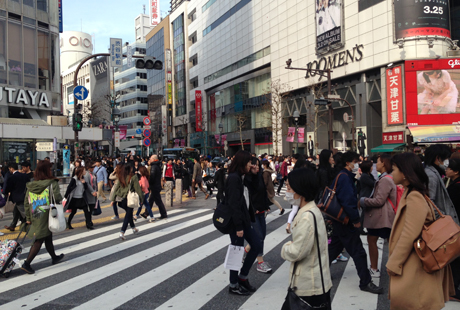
x,y
219,180
155,185
347,236
16,189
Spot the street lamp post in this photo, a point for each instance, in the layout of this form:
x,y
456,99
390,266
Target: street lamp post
x,y
116,118
296,116
221,129
327,74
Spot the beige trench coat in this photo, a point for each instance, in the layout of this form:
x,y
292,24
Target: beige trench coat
x,y
413,288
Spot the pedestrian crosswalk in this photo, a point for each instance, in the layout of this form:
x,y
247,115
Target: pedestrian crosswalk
x,y
171,264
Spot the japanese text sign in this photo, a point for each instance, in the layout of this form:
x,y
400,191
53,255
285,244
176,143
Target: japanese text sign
x,y
392,137
154,12
394,96
116,53
198,112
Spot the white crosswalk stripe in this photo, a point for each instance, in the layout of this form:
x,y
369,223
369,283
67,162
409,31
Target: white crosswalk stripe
x,y
178,248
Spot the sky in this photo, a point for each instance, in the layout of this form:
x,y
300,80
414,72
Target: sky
x,y
106,19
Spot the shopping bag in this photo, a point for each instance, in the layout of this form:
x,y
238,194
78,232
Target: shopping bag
x,y
56,217
97,208
234,257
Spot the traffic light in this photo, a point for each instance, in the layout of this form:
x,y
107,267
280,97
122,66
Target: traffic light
x,y
77,122
149,62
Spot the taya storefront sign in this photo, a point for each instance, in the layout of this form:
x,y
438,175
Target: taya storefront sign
x,y
25,97
336,60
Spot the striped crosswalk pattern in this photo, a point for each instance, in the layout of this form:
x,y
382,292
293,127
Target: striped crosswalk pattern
x,y
171,264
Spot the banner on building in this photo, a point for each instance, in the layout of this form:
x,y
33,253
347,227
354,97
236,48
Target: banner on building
x,y
217,138
224,138
301,135
290,135
129,56
329,25
154,12
182,142
394,96
421,18
176,142
123,129
198,112
116,53
61,29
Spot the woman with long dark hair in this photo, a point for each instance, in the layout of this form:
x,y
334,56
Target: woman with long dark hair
x,y
128,181
258,198
237,197
39,190
436,160
411,287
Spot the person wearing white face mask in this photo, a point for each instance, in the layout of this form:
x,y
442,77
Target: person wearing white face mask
x,y
435,156
310,277
347,235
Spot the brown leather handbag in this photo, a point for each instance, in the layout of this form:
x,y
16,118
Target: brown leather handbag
x,y
439,242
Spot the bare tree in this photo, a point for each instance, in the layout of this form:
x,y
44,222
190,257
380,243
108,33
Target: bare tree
x,y
95,112
276,95
241,122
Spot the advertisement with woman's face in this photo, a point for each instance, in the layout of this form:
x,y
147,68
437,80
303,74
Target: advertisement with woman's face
x,y
437,91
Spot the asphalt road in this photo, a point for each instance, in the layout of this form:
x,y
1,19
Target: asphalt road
x,y
171,264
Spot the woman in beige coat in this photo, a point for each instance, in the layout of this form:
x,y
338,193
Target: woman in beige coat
x,y
302,251
411,287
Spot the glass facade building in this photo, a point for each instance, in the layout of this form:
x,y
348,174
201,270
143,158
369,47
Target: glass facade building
x,y
179,65
455,19
29,55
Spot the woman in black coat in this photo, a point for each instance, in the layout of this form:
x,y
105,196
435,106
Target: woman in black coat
x,y
237,198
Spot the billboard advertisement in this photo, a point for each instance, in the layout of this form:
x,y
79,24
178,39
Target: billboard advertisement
x,y
432,92
421,18
328,25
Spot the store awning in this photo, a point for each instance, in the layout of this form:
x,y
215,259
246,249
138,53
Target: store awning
x,y
435,134
388,148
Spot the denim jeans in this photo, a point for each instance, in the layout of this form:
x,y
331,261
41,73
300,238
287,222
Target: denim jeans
x,y
260,226
128,216
252,237
115,208
147,206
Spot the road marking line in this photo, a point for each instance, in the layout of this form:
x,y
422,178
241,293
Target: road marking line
x,y
199,293
66,265
137,286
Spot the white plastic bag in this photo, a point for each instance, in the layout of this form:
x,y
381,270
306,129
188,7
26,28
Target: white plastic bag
x,y
56,224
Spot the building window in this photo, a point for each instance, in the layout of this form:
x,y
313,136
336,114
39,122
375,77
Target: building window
x,y
365,4
207,5
30,55
192,15
28,2
225,16
42,5
193,37
194,82
43,61
3,46
194,60
15,54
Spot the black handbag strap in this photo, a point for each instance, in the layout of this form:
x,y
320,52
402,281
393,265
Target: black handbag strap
x,y
319,256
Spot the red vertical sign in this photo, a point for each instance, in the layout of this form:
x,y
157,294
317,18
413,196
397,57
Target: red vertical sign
x,y
198,112
394,96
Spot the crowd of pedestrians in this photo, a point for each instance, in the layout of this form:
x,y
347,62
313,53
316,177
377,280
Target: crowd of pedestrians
x,y
387,197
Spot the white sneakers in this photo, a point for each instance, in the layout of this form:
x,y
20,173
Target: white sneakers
x,y
340,258
122,235
374,273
